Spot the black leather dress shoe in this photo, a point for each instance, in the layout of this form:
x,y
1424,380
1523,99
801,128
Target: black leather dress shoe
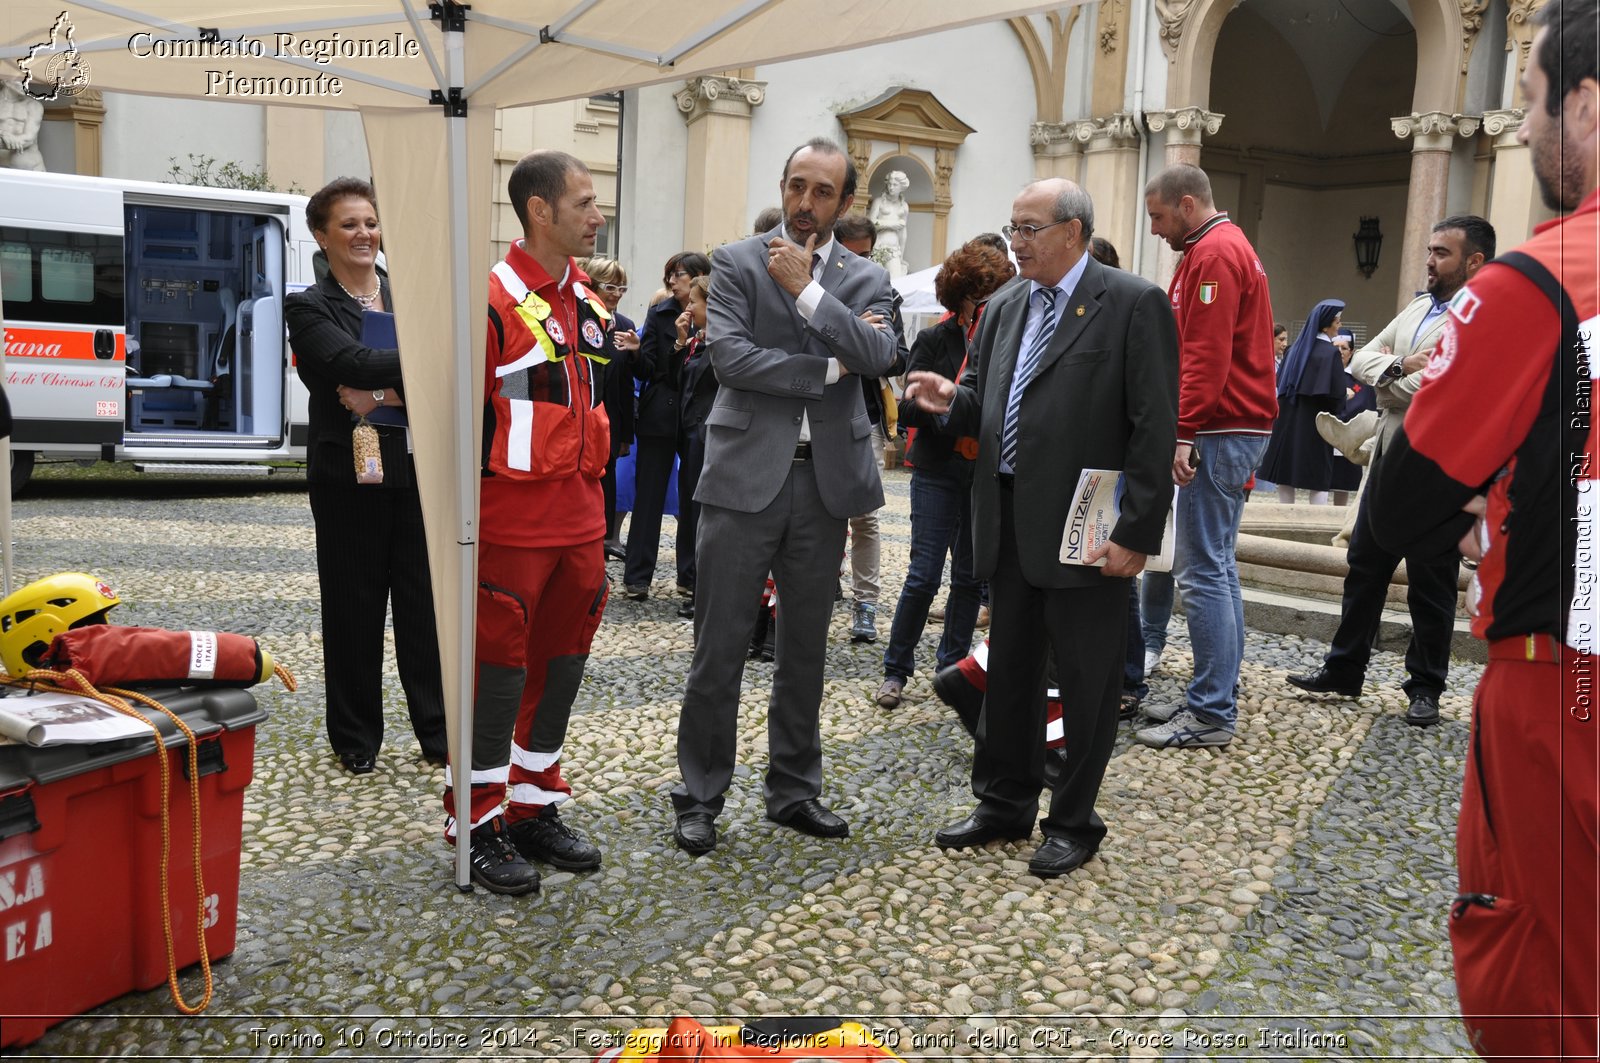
x,y
359,763
1323,681
812,817
1057,856
696,832
973,831
1423,711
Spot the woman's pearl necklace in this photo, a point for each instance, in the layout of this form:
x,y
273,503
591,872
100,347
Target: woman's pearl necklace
x,y
367,300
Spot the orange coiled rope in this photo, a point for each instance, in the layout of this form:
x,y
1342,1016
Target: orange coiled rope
x,y
73,682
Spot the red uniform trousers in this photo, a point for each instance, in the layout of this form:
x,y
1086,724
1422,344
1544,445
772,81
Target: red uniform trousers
x,y
1524,930
538,608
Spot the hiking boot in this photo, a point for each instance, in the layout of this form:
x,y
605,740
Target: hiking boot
x,y
1184,731
864,623
547,839
496,864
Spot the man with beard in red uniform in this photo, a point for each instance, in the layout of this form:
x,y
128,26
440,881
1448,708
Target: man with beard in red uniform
x,y
1502,430
541,561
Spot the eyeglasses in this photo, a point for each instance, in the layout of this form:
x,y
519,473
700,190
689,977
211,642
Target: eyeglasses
x,y
675,274
1028,232
614,289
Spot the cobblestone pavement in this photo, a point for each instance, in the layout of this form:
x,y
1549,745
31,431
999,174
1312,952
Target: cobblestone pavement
x,y
1282,897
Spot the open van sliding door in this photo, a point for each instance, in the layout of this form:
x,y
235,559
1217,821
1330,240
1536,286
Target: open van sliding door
x,y
64,341
206,323
262,359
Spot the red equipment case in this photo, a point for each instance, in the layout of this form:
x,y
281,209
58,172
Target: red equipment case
x,y
80,860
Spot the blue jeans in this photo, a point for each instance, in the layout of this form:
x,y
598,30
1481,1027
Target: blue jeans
x,y
1207,571
1155,607
1133,664
941,521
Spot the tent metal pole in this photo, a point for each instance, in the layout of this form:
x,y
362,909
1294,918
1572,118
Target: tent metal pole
x,y
5,463
747,10
455,117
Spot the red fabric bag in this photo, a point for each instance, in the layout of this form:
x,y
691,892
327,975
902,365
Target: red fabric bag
x,y
128,656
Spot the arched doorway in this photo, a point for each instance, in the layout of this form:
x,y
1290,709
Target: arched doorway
x,y
1307,149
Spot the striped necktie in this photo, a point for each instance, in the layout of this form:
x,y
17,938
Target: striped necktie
x,y
1026,366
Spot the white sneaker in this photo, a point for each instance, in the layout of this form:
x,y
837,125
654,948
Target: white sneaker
x,y
1151,659
1161,713
1184,731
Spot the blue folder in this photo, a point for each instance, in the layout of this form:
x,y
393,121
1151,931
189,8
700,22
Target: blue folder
x,y
377,331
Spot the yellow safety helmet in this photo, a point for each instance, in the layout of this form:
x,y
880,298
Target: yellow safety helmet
x,y
32,617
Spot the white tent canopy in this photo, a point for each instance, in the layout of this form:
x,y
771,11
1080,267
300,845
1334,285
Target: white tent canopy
x,y
916,291
427,81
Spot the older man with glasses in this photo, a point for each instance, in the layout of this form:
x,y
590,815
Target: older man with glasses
x,y
1073,369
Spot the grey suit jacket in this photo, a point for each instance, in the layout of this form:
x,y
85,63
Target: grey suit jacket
x,y
1105,397
772,366
1368,364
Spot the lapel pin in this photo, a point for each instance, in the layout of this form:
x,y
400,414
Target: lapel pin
x,y
1080,311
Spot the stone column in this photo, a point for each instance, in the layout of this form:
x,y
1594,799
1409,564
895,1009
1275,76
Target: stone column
x,y
1432,134
1057,150
1110,173
1184,127
87,112
1514,203
944,166
717,111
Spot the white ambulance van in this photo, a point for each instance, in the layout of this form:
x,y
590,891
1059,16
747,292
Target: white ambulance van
x,y
144,323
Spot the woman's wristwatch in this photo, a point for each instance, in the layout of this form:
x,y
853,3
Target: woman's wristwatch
x,y
377,395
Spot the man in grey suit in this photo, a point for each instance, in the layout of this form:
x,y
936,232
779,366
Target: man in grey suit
x,y
1075,368
789,459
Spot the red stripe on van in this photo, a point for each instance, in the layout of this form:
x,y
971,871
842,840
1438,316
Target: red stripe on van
x,y
57,344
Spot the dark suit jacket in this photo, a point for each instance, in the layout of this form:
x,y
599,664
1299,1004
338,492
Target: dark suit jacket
x,y
938,349
699,383
1105,397
324,326
772,366
618,390
657,367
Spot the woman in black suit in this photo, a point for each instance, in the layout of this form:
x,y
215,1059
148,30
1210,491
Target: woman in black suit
x,y
622,347
370,541
659,427
697,392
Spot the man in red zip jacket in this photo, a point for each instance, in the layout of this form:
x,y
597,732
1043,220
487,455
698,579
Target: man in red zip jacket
x,y
1502,429
1227,401
541,561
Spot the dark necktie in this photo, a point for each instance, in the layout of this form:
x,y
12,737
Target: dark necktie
x,y
1027,365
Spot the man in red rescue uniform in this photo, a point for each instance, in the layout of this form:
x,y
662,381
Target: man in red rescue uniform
x,y
541,561
1502,428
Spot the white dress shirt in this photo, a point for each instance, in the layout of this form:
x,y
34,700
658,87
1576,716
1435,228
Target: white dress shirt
x,y
807,302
